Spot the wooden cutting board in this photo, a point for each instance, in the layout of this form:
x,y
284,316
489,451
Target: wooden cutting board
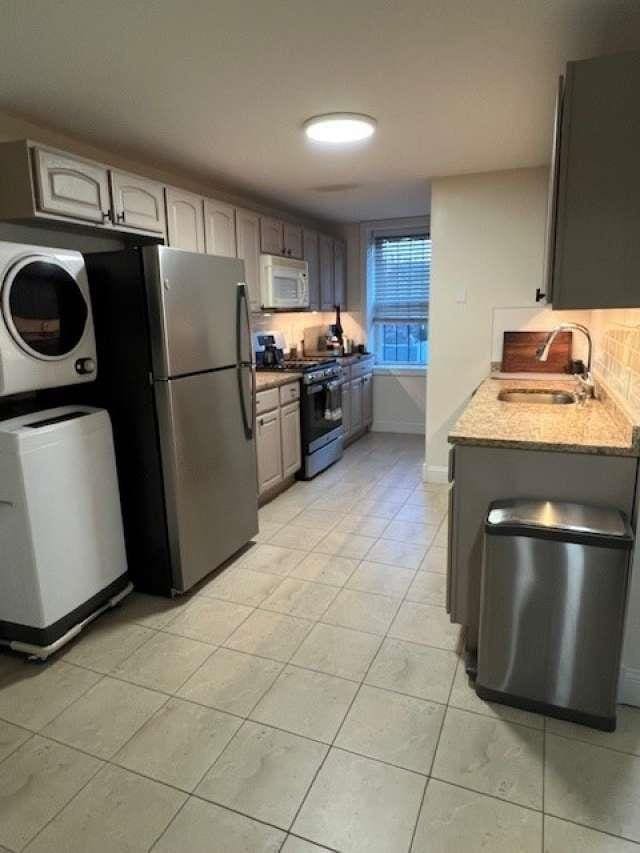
x,y
519,352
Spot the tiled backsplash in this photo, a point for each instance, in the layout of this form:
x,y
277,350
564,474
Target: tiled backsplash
x,y
617,355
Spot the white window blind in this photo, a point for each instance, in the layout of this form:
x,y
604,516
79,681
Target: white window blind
x,y
402,270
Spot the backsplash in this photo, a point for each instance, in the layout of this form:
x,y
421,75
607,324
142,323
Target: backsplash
x,y
617,355
293,324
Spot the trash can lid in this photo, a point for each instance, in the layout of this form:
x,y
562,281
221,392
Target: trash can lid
x,y
560,520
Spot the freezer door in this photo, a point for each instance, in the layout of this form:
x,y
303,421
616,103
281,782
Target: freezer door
x,y
193,309
209,466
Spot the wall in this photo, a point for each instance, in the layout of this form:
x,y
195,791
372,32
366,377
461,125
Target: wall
x,y
399,401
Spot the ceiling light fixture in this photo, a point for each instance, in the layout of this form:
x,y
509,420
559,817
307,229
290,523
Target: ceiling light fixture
x,y
338,128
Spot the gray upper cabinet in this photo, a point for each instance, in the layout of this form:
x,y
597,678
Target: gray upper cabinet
x,y
219,228
248,241
271,236
310,254
70,186
292,240
327,262
137,202
339,277
185,220
593,244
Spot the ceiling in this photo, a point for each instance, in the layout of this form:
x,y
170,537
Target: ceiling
x,y
220,89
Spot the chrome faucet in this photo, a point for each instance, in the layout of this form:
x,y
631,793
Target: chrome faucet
x,y
585,378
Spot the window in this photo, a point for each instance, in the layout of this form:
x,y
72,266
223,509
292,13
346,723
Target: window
x,y
401,266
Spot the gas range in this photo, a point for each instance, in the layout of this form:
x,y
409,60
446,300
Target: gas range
x,y
312,371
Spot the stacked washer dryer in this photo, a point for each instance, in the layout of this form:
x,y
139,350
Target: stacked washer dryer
x,y
61,538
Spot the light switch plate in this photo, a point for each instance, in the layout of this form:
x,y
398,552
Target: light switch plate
x,y
461,295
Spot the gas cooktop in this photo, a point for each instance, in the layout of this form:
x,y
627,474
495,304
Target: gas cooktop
x,y
298,366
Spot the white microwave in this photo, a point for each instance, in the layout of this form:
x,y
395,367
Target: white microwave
x,y
284,283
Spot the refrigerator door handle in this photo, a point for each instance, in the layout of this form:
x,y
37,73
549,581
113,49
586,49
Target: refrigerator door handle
x,y
243,312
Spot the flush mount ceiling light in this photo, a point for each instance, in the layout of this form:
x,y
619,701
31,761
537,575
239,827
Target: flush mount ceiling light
x,y
338,128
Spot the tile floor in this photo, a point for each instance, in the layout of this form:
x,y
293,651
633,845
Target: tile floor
x,y
308,697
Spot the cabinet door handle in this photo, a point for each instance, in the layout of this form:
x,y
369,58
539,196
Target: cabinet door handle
x,y
106,217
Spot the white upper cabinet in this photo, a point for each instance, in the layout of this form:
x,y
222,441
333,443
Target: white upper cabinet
x,y
137,202
292,240
219,228
185,221
325,247
310,254
70,186
271,235
339,274
248,245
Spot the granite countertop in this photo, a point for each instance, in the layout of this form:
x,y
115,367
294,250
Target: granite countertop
x,y
595,426
266,379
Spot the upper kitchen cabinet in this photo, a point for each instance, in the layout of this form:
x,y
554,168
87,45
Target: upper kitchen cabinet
x,y
310,254
327,271
185,220
339,274
593,239
271,236
292,240
248,245
137,202
69,186
219,228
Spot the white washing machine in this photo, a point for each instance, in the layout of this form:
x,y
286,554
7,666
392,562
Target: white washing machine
x,y
61,539
46,325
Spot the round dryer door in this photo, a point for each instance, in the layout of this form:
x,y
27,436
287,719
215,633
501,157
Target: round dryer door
x,y
44,308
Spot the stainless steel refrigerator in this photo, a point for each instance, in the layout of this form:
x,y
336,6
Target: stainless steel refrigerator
x,y
175,371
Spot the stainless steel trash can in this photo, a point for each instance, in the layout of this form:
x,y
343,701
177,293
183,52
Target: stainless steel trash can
x,y
554,589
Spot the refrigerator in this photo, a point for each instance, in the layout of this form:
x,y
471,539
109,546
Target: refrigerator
x,y
176,373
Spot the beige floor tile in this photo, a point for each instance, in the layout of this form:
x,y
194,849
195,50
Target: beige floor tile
x,y
428,588
563,837
416,670
301,598
179,743
209,620
334,503
424,623
398,729
345,544
271,559
453,819
626,737
36,781
33,695
362,611
410,532
435,561
12,663
435,500
337,651
358,804
380,579
263,773
318,519
390,494
292,536
198,823
231,681
266,530
241,586
377,508
492,757
465,697
164,662
152,611
421,514
326,569
362,524
11,737
396,553
593,786
106,642
440,540
312,704
104,719
270,635
273,513
116,811
293,844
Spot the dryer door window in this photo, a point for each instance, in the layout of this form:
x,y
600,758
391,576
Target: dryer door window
x,y
44,309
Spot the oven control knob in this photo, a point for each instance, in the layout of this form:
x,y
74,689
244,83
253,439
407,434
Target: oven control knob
x,y
85,365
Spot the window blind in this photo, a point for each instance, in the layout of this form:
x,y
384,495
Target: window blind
x,y
402,270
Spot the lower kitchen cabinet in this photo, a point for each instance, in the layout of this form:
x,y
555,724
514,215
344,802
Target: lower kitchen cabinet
x,y
356,405
278,444
357,398
367,400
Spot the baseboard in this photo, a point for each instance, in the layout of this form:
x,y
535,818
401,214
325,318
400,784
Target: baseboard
x,y
435,473
629,689
398,426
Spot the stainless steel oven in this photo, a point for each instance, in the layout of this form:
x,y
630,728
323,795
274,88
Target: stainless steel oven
x,y
321,419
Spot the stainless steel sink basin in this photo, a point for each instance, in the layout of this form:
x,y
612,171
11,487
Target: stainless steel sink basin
x,y
537,395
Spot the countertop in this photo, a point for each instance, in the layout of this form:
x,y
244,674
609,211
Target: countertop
x,y
266,379
595,426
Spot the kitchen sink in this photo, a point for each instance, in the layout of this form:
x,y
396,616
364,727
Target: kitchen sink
x,y
537,395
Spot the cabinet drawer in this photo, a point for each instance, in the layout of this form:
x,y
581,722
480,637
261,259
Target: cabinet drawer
x,y
289,393
360,368
267,400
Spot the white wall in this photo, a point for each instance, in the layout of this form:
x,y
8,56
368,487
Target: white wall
x,y
399,402
488,236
